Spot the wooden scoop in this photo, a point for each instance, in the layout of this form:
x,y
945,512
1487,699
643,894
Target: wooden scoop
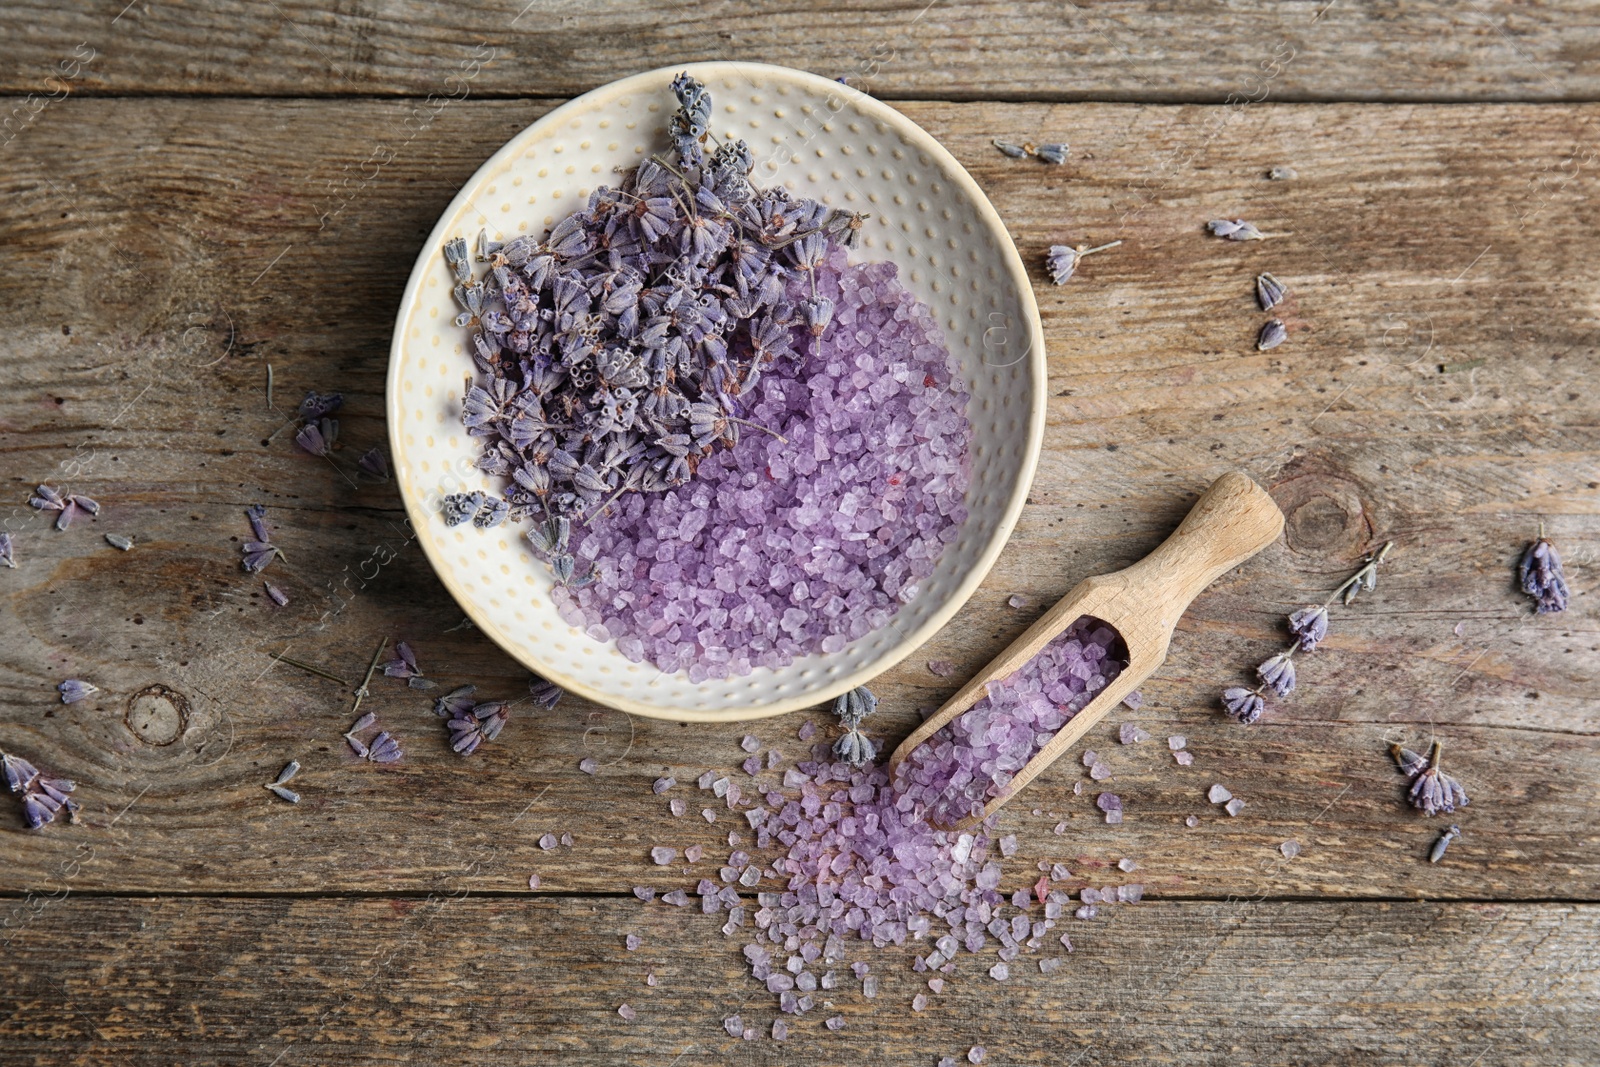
x,y
1232,521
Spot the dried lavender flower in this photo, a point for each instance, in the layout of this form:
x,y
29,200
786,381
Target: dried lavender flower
x,y
279,597
1244,705
1367,577
385,748
1062,261
261,551
1269,291
43,796
1433,791
283,792
853,746
317,405
1235,230
1542,577
318,437
546,694
117,541
1054,152
854,706
1015,151
454,703
375,463
73,690
459,507
1309,625
1443,843
1273,333
290,769
7,551
404,664
1277,673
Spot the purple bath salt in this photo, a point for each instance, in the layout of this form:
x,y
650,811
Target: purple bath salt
x,y
664,784
777,549
662,855
973,759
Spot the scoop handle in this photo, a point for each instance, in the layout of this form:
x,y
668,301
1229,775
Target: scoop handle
x,y
1233,520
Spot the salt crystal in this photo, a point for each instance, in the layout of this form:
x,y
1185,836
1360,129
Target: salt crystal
x,y
533,881
1183,759
749,743
566,839
1129,734
1000,971
633,942
708,814
693,853
942,667
650,979
1050,965
677,807
1135,700
977,1054
661,855
1099,772
752,766
835,1023
919,1002
780,1030
1088,911
1008,845
1090,758
734,1025
807,731
749,1033
1290,849
588,765
1059,872
706,779
1017,601
1126,864
1234,806
548,842
1066,942
1218,793
627,1013
644,892
869,986
1060,828
664,784
1177,741
1191,821
676,897
860,969
936,984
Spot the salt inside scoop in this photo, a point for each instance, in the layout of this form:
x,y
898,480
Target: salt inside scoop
x,y
973,758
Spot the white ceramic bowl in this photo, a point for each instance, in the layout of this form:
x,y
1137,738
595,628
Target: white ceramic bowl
x,y
819,139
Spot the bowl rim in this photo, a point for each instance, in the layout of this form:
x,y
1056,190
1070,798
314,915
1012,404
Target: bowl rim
x,y
1015,273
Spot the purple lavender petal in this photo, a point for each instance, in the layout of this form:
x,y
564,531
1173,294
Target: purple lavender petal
x,y
375,462
7,551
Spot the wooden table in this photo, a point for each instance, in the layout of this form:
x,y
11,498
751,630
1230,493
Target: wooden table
x,y
189,194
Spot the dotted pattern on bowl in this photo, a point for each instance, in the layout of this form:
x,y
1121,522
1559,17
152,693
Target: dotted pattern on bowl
x,y
816,138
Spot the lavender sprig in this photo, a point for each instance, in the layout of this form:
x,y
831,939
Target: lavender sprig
x,y
1433,791
1308,626
1063,259
1542,576
853,746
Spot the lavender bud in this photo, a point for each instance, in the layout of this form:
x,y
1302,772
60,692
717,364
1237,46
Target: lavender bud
x,y
1052,153
7,553
1269,291
1542,577
1235,230
1242,704
1443,843
1309,625
1278,673
1015,151
1273,333
1062,261
72,690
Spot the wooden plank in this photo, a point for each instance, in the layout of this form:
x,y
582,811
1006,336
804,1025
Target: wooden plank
x,y
370,981
1013,49
145,291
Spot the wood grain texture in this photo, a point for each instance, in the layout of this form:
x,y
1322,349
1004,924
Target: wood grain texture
x,y
485,981
993,49
162,252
